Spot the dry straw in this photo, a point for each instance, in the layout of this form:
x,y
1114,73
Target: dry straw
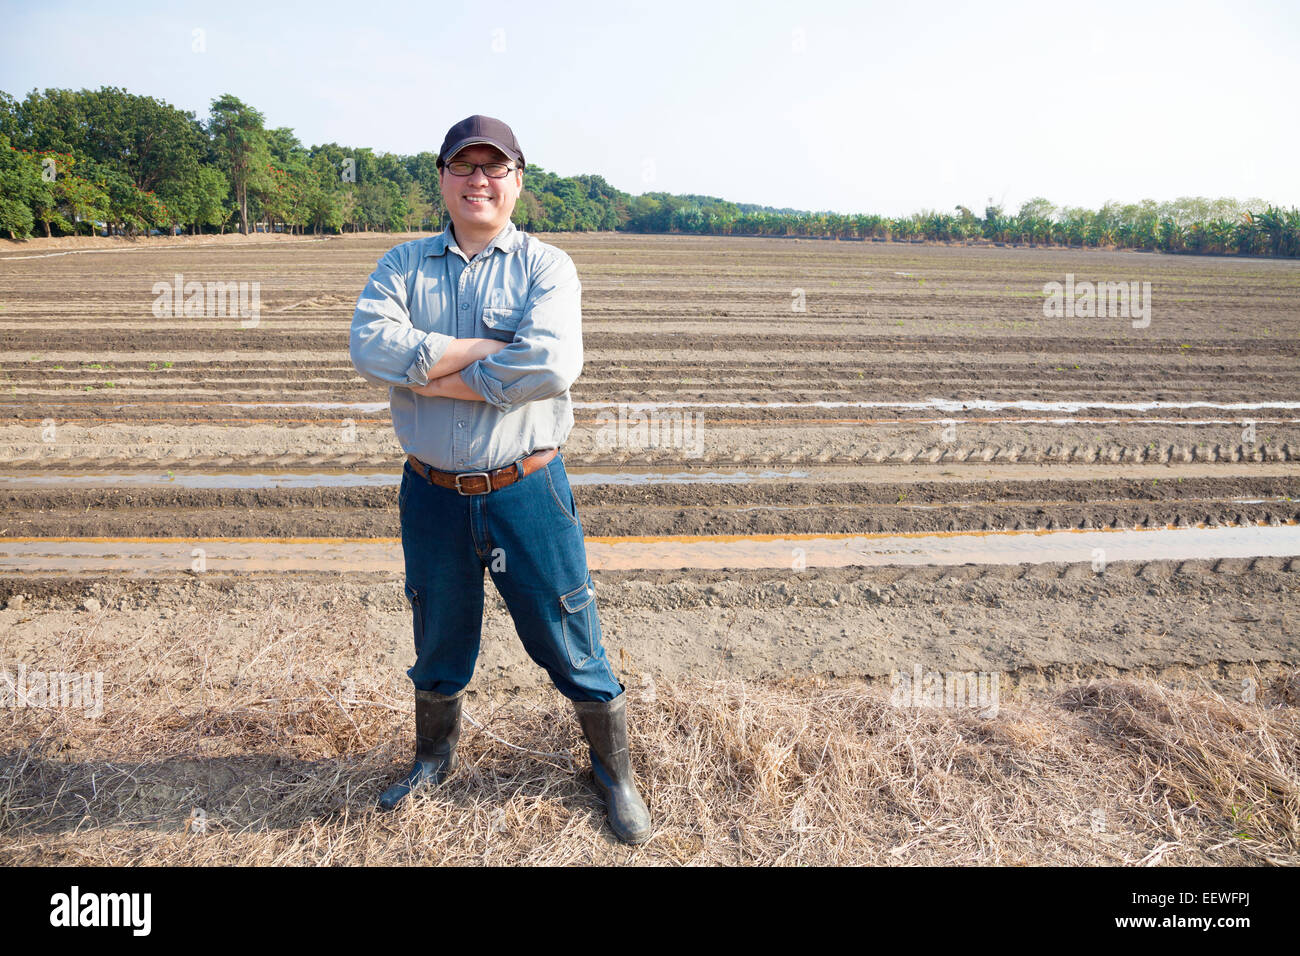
x,y
202,756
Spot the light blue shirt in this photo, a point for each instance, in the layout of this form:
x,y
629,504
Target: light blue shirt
x,y
519,290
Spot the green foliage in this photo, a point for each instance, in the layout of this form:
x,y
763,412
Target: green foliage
x,y
135,163
21,190
243,149
154,144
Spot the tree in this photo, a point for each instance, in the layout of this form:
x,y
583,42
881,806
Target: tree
x,y
241,143
419,209
25,194
423,168
20,182
206,200
324,210
528,212
75,199
43,201
348,208
1037,208
375,202
157,147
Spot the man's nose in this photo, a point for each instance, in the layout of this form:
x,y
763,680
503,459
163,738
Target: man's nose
x,y
478,177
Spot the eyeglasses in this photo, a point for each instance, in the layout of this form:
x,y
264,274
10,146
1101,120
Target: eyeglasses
x,y
490,170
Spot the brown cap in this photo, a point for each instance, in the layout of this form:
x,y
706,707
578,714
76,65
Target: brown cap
x,y
480,129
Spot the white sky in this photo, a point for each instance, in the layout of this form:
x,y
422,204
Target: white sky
x,y
852,107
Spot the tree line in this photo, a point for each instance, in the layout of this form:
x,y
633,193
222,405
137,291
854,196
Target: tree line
x,y
122,163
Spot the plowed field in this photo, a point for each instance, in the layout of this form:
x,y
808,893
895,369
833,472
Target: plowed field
x,y
731,387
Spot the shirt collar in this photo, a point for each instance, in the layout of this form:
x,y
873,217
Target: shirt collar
x,y
507,240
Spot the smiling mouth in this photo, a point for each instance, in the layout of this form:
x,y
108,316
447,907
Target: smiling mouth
x,y
477,199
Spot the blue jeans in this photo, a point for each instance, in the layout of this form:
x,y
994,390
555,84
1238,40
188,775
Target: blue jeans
x,y
529,538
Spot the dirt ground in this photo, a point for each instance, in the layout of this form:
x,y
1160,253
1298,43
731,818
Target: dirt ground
x,y
919,389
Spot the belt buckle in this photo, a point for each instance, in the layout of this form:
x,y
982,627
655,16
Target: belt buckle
x,y
487,479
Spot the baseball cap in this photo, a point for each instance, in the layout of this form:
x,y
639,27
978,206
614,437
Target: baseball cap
x,y
480,129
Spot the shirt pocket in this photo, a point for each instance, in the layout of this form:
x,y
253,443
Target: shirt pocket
x,y
502,323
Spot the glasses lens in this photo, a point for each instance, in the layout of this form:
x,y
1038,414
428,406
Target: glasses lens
x,y
492,170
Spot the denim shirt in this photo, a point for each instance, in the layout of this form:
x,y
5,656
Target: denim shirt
x,y
517,289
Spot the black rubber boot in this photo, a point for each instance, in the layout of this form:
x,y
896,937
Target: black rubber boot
x,y
605,726
437,728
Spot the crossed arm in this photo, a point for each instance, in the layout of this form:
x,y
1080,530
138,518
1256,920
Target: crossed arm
x,y
541,362
386,350
444,377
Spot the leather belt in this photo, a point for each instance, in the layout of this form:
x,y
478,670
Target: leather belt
x,y
482,482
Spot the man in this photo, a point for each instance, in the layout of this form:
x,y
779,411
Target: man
x,y
478,335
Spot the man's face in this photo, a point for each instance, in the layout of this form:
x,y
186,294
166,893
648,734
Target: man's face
x,y
476,201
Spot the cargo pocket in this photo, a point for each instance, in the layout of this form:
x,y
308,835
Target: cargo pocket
x,y
502,324
579,623
417,617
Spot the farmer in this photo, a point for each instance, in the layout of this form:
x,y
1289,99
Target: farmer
x,y
477,332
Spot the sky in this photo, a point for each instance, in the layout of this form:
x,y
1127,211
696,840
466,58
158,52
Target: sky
x,y
889,108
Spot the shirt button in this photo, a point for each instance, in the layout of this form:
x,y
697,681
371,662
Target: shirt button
x,y
460,424
464,305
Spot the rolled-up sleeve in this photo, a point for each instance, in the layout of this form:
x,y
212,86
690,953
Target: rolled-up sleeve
x,y
386,349
545,358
